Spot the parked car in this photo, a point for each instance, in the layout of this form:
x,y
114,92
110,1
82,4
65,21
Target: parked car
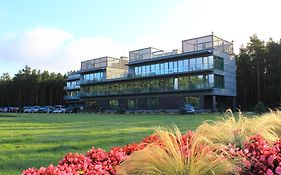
x,y
14,109
59,109
72,109
2,109
27,109
34,109
189,109
45,109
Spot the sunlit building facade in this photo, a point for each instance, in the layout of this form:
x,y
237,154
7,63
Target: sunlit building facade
x,y
202,73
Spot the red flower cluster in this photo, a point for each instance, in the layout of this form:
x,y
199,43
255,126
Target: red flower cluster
x,y
257,155
263,158
96,161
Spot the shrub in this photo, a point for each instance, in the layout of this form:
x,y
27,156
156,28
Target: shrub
x,y
178,155
237,130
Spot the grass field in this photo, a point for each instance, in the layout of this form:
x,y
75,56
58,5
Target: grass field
x,y
28,140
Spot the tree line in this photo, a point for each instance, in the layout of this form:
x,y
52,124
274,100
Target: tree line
x,y
32,87
258,80
259,74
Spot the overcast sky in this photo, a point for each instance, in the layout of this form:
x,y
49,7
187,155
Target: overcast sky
x,y
56,35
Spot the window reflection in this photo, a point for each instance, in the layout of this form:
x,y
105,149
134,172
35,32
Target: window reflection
x,y
185,65
98,76
166,84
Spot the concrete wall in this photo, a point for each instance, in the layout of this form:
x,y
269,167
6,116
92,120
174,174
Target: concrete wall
x,y
115,72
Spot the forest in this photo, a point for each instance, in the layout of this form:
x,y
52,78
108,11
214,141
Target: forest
x,y
32,87
259,74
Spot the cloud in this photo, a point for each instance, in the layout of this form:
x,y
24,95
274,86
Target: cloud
x,y
35,45
53,49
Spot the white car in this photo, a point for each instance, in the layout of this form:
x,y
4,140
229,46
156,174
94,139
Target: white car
x,y
27,109
59,109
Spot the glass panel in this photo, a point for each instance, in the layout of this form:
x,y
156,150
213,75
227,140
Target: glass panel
x,y
171,67
166,68
143,71
153,69
162,69
211,61
175,66
180,66
192,64
205,63
113,104
157,69
186,65
199,63
176,83
152,103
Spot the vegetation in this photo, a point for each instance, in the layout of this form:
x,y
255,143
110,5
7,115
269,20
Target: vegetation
x,y
31,87
29,140
259,74
253,147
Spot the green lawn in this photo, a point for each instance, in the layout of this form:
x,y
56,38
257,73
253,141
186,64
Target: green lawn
x,y
28,140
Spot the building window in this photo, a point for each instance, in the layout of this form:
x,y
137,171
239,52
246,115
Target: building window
x,y
113,104
152,103
219,81
218,63
176,83
192,64
132,104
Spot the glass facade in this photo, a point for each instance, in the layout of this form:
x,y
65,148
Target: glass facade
x,y
152,103
113,104
165,84
219,81
132,104
73,84
184,65
93,77
72,95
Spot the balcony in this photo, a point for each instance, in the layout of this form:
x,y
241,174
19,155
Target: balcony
x,y
73,77
71,97
190,87
71,87
91,81
207,42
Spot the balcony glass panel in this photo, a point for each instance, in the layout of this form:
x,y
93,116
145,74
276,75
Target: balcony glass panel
x,y
185,65
167,84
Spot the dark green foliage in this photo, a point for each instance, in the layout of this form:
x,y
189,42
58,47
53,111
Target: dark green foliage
x,y
259,74
31,87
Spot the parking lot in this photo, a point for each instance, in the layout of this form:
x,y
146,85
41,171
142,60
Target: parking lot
x,y
41,109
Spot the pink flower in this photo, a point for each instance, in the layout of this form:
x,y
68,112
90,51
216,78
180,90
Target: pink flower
x,y
278,170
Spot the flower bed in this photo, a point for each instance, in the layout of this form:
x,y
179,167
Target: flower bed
x,y
231,146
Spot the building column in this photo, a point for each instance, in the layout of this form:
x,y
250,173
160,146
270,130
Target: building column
x,y
214,103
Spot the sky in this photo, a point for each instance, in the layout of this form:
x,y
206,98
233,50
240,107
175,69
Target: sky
x,y
56,35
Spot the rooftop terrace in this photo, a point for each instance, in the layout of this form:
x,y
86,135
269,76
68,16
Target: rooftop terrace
x,y
190,45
